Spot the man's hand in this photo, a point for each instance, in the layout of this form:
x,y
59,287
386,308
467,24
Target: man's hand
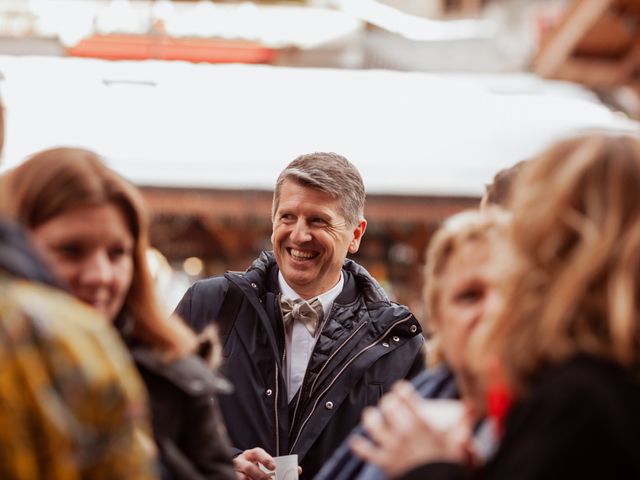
x,y
246,464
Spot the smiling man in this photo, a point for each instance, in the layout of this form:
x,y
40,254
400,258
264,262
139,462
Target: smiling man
x,y
310,337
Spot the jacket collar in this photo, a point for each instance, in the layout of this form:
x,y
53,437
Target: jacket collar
x,y
263,273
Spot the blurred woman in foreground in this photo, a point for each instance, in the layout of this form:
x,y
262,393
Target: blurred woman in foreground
x,y
89,226
558,366
460,281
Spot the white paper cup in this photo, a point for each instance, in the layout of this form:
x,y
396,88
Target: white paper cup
x,y
442,414
286,467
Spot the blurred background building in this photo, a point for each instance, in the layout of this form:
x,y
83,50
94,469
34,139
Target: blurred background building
x,y
202,103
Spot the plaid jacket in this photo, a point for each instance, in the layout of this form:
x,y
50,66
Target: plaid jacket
x,y
71,404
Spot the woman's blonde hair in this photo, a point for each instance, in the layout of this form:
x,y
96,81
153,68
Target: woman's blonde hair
x,y
576,245
480,227
56,180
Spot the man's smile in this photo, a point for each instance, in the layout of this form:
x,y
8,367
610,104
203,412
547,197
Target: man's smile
x,y
301,255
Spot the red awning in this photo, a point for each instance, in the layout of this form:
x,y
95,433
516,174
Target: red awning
x,y
162,47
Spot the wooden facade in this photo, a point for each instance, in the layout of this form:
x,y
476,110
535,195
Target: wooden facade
x,y
596,43
227,229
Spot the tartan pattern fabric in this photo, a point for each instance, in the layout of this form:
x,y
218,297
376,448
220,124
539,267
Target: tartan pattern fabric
x,y
71,404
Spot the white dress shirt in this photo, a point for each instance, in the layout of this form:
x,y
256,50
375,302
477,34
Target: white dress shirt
x,y
299,342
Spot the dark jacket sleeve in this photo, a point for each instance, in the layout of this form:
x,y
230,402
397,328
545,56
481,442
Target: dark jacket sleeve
x,y
419,364
201,303
207,440
187,424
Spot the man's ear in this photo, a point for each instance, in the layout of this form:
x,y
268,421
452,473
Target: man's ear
x,y
358,232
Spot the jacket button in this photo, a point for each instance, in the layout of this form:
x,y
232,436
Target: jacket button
x,y
385,344
254,285
328,405
396,338
269,392
413,329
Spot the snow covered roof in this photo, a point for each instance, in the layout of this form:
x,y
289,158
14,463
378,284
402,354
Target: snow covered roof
x,y
175,124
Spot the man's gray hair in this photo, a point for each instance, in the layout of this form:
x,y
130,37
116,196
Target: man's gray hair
x,y
332,174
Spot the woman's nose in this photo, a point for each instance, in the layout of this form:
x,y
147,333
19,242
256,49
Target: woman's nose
x,y
494,303
97,268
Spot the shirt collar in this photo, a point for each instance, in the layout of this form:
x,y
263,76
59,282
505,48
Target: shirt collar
x,y
326,299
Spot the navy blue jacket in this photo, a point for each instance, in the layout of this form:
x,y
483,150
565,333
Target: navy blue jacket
x,y
367,344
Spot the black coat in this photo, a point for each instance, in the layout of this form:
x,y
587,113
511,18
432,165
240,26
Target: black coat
x,y
185,415
366,345
581,420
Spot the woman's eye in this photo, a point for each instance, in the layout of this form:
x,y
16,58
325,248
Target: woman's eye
x,y
69,250
118,252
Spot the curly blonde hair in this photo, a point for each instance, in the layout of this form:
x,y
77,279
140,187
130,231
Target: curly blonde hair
x,y
470,226
576,244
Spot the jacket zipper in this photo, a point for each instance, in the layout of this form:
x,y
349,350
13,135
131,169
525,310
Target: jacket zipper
x,y
284,356
276,412
368,347
295,411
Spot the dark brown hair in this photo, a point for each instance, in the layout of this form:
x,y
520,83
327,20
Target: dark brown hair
x,y
56,180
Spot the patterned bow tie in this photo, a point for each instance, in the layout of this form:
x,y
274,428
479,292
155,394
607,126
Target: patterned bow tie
x,y
310,314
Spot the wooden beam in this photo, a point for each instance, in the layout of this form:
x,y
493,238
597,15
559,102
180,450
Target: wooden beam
x,y
557,48
244,206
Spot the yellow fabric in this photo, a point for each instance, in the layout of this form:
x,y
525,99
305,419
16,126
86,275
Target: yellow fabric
x,y
71,404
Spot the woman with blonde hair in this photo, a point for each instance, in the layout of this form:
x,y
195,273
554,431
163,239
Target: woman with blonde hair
x,y
460,286
558,367
90,227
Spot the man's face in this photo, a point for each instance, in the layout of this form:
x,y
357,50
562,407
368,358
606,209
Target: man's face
x,y
311,239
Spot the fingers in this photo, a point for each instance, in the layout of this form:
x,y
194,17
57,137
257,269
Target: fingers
x,y
373,423
398,414
410,403
259,455
382,456
246,464
407,396
249,471
363,448
395,416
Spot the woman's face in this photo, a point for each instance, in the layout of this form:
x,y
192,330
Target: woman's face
x,y
468,290
90,248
